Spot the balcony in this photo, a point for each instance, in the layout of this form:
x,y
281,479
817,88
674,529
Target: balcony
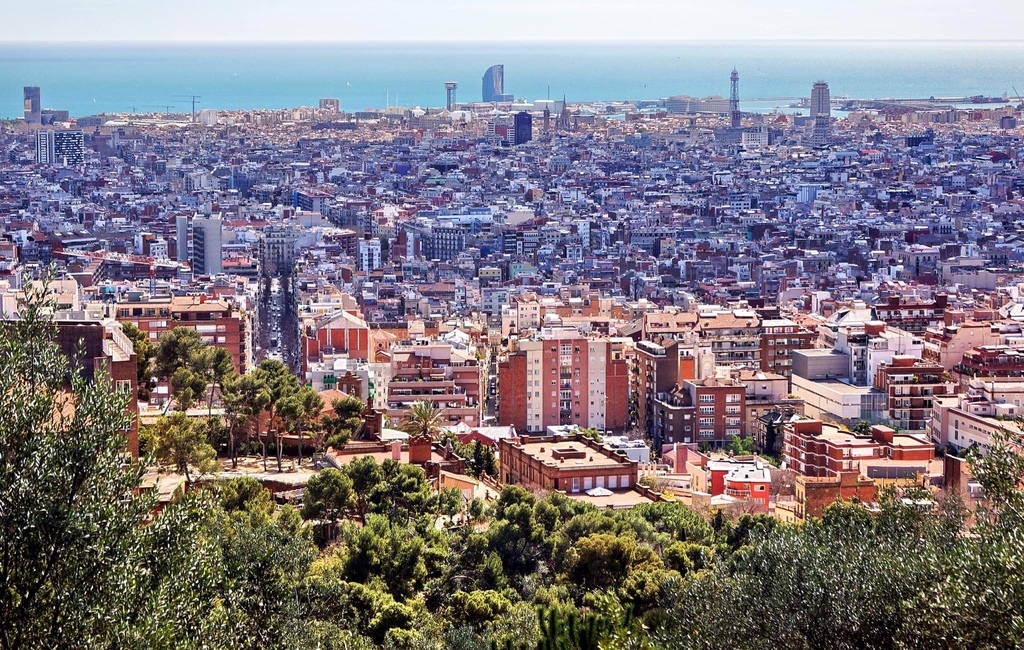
x,y
737,494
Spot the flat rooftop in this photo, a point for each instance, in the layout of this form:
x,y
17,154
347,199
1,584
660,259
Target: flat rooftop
x,y
569,454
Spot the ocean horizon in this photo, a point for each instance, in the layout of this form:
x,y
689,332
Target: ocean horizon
x,y
121,77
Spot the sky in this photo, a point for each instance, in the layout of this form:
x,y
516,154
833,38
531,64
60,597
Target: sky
x,y
509,20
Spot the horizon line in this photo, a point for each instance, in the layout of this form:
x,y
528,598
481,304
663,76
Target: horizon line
x,y
15,41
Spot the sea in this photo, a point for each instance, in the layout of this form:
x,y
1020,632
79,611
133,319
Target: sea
x,y
90,78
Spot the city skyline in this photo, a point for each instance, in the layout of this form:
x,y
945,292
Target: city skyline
x,y
400,20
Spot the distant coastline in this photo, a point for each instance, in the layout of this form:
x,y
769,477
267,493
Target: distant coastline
x,y
119,77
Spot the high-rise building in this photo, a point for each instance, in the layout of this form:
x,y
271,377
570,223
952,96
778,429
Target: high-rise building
x,y
369,254
524,127
562,377
494,83
331,105
821,112
207,243
33,105
183,231
64,148
821,103
68,148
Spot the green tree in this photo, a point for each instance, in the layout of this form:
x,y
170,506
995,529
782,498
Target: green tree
x,y
244,398
277,383
182,442
423,419
181,358
219,367
300,411
337,428
328,495
145,351
70,508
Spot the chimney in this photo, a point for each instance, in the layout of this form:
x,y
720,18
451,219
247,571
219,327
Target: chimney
x,y
396,450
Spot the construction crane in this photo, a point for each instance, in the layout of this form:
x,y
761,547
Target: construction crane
x,y
195,100
1020,106
167,107
134,109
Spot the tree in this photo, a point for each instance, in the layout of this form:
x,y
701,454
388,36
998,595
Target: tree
x,y
301,410
423,419
182,359
70,508
328,495
145,351
181,441
244,398
338,427
219,367
276,383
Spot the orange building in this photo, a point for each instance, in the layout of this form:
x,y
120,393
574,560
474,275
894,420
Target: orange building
x,y
218,322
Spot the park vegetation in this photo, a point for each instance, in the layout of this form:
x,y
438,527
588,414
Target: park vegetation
x,y
375,558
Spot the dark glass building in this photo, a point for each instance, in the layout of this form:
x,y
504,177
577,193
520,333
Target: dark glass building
x,y
524,127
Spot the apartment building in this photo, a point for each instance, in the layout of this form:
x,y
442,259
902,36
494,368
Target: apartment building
x,y
438,373
779,337
561,377
910,385
218,321
815,448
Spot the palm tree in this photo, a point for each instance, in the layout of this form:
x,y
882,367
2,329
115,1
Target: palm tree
x,y
423,419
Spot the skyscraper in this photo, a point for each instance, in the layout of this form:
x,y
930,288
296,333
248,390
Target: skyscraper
x,y
207,242
65,148
33,105
821,111
821,103
494,83
524,127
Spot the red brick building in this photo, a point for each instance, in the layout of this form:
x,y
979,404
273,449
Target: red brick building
x,y
779,337
719,404
911,385
814,494
437,373
570,465
562,377
106,350
218,322
813,448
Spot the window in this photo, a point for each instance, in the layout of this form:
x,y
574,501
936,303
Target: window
x,y
707,410
123,385
707,422
707,433
706,398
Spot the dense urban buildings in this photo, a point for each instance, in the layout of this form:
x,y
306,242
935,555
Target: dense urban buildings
x,y
839,289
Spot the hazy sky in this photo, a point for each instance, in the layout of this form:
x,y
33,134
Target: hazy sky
x,y
347,20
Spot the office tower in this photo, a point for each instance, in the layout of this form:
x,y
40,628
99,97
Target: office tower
x,y
821,103
65,148
734,99
524,127
494,83
33,105
450,87
821,111
207,242
331,105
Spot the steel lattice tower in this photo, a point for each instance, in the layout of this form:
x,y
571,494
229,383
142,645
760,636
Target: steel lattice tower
x,y
734,99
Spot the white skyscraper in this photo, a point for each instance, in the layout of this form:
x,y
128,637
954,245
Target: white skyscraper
x,y
207,243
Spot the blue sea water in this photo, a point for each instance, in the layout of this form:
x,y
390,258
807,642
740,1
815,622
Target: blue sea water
x,y
92,78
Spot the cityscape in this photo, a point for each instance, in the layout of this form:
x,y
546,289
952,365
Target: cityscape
x,y
514,373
